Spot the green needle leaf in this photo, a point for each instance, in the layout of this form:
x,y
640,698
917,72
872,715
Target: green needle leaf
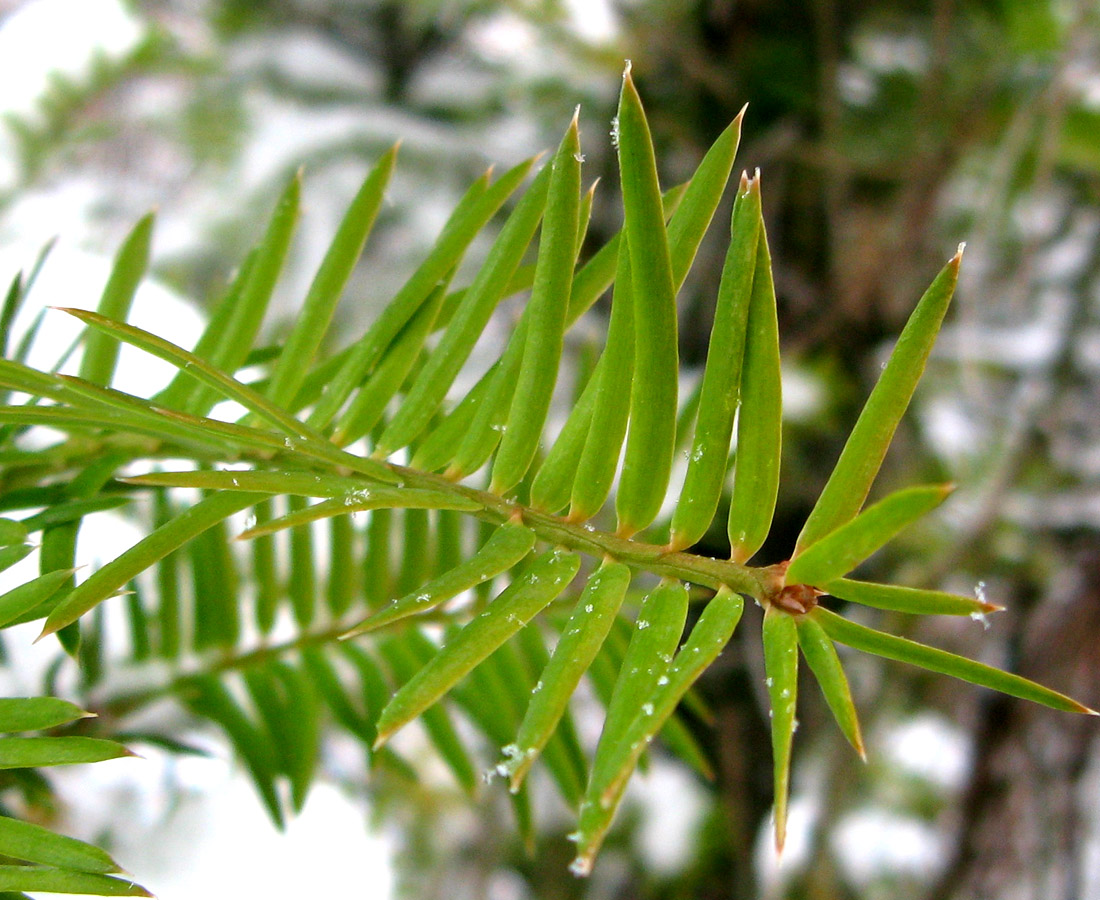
x,y
760,419
701,198
507,546
908,600
546,578
473,212
22,840
363,500
100,351
20,753
862,456
402,660
657,632
315,315
849,545
368,406
588,626
233,337
718,398
546,317
37,713
825,664
869,640
18,601
168,537
469,320
304,438
59,881
707,639
647,463
781,667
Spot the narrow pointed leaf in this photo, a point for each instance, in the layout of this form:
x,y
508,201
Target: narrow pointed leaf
x,y
101,351
508,546
707,639
9,556
657,632
719,395
49,880
32,843
18,601
562,752
71,510
821,655
852,543
547,577
781,667
332,275
304,438
546,313
18,753
37,713
859,462
469,320
584,634
363,500
437,722
368,406
760,419
471,215
649,445
234,337
701,198
183,392
598,274
162,541
303,484
908,600
869,640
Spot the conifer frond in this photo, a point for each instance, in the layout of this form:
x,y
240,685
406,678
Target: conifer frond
x,y
410,537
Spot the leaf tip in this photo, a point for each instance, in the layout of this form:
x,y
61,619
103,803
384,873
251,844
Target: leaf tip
x,y
957,258
581,866
627,66
47,630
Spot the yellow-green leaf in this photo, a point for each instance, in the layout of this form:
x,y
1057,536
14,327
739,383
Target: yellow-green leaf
x,y
822,657
850,544
781,668
863,453
869,640
647,463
